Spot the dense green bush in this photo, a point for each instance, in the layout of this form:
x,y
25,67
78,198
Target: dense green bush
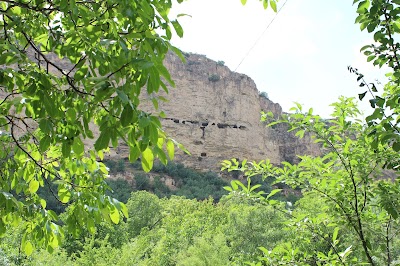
x,y
264,95
142,182
214,78
144,212
193,184
115,166
121,189
167,231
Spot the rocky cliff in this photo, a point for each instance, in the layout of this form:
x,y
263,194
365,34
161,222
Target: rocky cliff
x,y
215,114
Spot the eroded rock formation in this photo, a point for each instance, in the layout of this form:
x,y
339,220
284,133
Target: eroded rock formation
x,y
215,114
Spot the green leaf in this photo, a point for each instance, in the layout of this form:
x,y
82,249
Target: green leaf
x,y
103,140
122,95
16,10
43,203
363,7
127,115
81,73
392,211
124,210
78,147
228,188
273,5
368,243
66,149
243,2
50,106
147,159
372,103
178,28
254,187
265,4
134,154
64,195
273,192
44,143
46,126
33,186
370,58
335,234
165,73
71,114
347,146
396,146
362,95
170,149
27,247
144,121
91,226
8,58
114,215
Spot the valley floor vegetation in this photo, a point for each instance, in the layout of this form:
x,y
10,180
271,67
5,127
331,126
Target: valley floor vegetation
x,y
166,231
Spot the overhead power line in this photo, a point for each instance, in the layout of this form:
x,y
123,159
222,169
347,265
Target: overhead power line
x,y
262,34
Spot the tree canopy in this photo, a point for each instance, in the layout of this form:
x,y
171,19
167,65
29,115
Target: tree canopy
x,y
355,183
68,68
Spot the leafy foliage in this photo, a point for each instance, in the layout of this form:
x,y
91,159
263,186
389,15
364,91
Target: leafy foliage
x,y
214,78
220,63
174,231
357,198
266,3
67,65
382,19
193,184
350,185
264,95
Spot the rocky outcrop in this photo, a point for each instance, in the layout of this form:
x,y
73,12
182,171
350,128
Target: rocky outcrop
x,y
215,114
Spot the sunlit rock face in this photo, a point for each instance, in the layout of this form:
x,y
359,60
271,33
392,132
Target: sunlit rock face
x,y
215,114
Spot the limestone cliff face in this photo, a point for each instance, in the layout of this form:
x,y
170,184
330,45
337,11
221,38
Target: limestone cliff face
x,y
215,114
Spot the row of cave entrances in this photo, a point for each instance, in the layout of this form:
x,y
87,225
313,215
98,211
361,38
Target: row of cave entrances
x,y
205,124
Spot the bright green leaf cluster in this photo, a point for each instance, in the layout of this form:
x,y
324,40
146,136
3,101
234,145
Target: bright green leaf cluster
x,y
347,180
70,69
266,3
382,18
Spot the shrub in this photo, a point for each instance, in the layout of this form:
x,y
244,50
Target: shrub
x,y
142,182
115,166
264,95
137,164
160,189
144,211
120,189
214,78
220,63
120,168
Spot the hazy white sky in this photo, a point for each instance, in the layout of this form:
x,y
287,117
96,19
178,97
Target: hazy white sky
x,y
302,57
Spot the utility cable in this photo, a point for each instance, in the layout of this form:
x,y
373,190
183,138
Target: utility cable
x,y
262,34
